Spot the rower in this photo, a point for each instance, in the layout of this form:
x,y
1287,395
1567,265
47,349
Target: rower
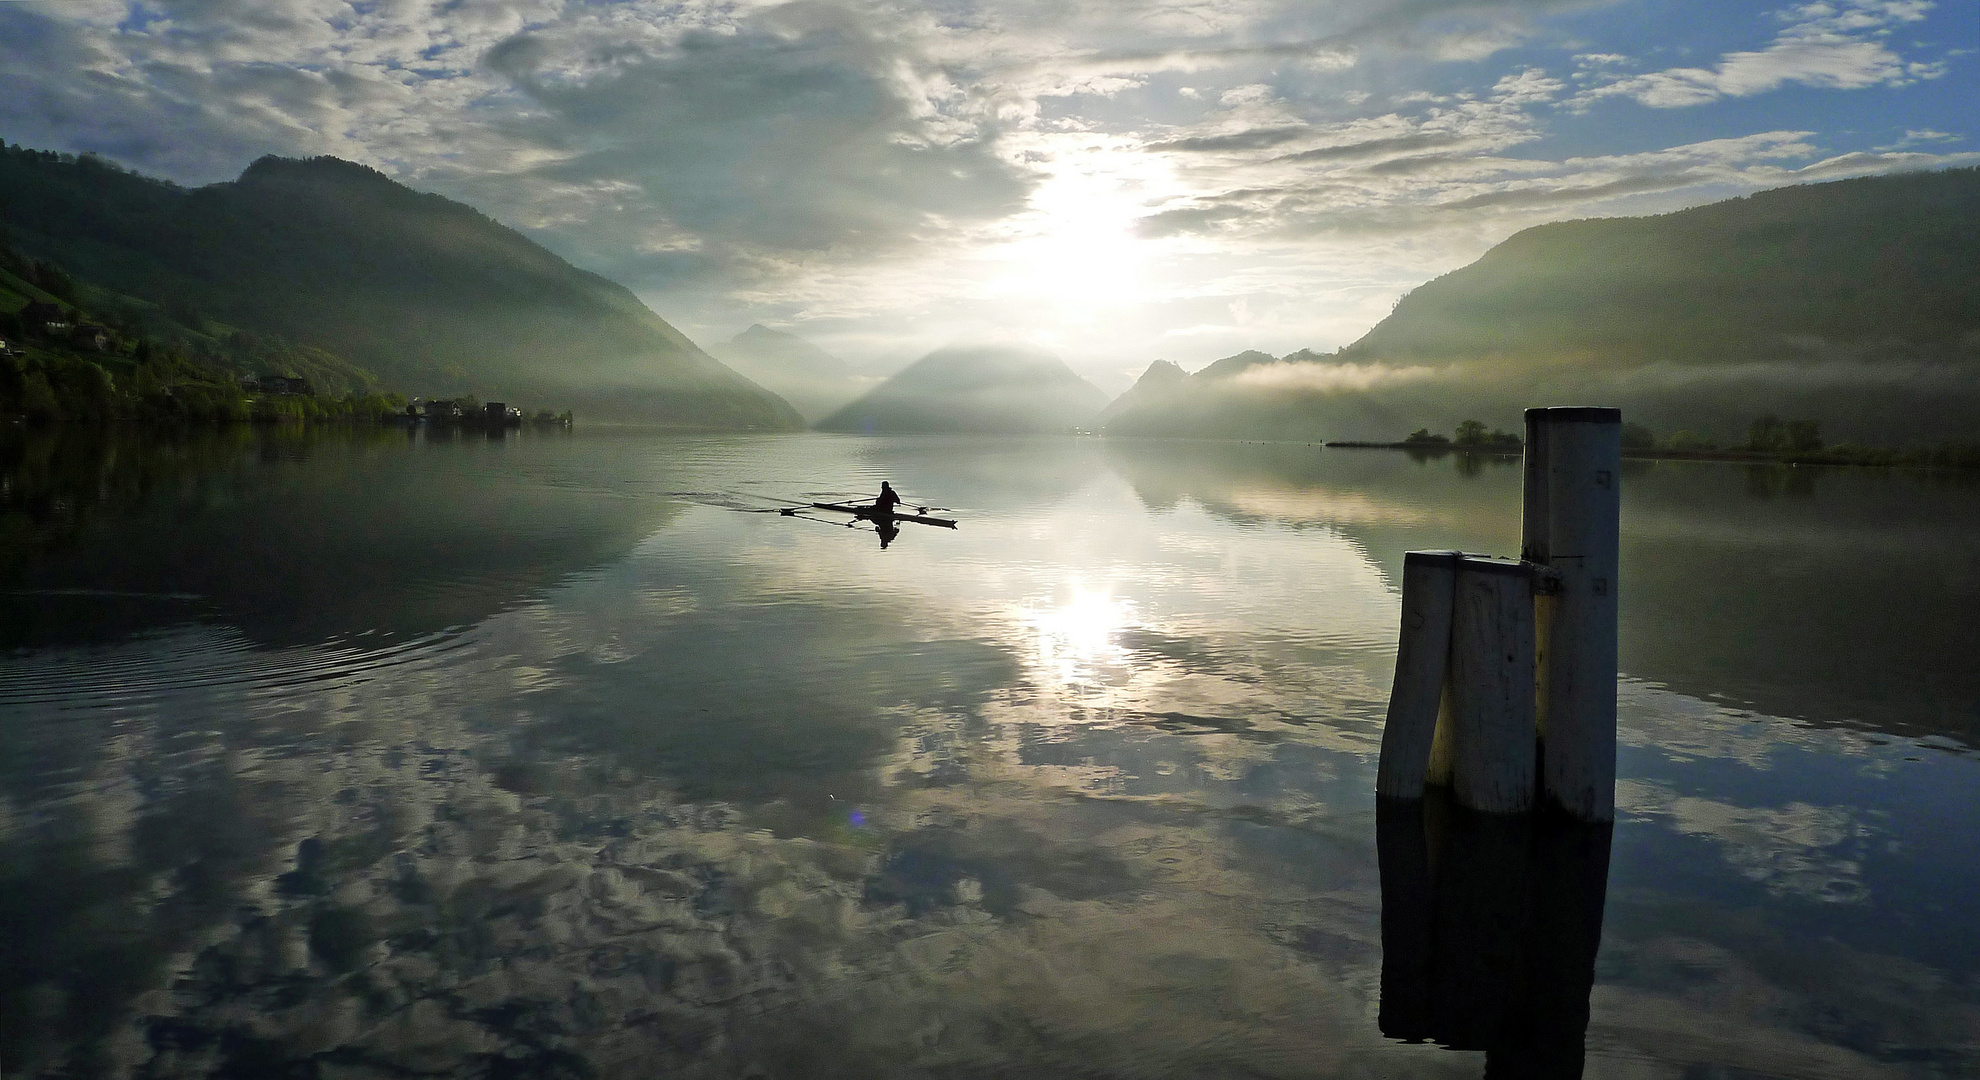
x,y
883,507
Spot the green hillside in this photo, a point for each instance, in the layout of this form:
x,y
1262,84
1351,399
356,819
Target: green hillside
x,y
1887,265
428,294
1855,304
74,350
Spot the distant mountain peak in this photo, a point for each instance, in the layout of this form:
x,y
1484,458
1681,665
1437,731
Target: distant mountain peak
x,y
976,388
814,381
1231,365
1154,382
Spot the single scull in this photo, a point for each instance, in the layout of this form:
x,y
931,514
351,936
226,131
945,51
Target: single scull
x,y
867,513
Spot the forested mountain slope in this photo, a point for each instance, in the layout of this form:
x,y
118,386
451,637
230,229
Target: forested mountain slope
x,y
1884,267
429,294
1855,304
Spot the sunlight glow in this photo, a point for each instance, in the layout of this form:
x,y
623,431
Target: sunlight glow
x,y
1076,250
1076,641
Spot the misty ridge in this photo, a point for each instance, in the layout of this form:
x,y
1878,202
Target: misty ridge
x,y
1855,303
978,389
816,383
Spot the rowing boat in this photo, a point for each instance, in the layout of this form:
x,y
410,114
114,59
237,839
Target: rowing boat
x,y
869,513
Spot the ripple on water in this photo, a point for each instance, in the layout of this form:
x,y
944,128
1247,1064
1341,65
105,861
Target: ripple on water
x,y
197,658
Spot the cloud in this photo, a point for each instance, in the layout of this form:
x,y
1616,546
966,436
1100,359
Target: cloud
x,y
1922,137
888,176
1320,37
1527,87
1830,45
1377,187
1253,139
800,129
1325,378
1799,850
1371,148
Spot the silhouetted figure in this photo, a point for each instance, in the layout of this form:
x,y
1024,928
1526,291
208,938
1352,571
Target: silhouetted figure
x,y
887,530
883,507
1490,924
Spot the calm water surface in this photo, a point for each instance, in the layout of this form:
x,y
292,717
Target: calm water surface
x,y
379,756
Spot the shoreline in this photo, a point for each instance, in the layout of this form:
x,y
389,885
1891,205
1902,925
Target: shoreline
x,y
1860,457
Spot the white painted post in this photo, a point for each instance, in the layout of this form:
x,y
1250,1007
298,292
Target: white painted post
x,y
1491,679
1572,524
1422,656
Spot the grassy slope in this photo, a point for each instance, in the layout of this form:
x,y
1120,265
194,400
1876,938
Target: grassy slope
x,y
428,293
1883,265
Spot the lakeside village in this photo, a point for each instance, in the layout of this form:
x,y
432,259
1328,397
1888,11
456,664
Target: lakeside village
x,y
57,366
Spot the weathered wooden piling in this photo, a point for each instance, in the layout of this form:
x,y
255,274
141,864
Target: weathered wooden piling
x,y
1505,683
1422,661
1570,524
1491,685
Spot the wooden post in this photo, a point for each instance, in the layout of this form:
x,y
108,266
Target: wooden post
x,y
1571,524
1491,679
1422,656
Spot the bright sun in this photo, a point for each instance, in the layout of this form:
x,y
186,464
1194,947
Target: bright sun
x,y
1077,249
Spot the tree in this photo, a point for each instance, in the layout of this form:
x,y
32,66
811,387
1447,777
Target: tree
x,y
38,398
55,281
1471,433
1638,437
1771,434
91,392
182,311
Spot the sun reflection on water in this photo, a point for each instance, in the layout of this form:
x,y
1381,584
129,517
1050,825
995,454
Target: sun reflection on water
x,y
1077,642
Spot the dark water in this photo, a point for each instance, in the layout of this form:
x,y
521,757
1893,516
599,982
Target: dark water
x,y
363,755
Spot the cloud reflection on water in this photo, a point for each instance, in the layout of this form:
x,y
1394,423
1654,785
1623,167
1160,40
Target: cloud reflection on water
x,y
752,797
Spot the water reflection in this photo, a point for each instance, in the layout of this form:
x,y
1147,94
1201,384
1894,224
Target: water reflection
x,y
290,538
1490,925
1083,788
1767,586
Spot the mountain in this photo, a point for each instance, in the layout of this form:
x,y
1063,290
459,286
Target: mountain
x,y
428,294
1153,385
976,389
1251,395
1885,266
814,381
1854,303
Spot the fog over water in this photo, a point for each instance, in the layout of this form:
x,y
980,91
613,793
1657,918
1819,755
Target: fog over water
x,y
381,755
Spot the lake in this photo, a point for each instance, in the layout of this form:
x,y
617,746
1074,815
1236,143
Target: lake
x,y
369,753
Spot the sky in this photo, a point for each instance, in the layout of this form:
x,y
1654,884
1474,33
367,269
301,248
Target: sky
x,y
1116,181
